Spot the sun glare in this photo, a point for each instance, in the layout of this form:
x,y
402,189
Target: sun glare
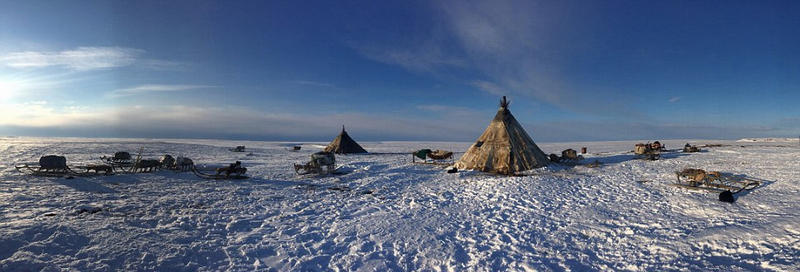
x,y
8,89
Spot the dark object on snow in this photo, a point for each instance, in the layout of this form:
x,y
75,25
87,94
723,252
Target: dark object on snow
x,y
647,151
167,162
89,210
422,153
554,158
51,166
184,164
343,144
56,166
727,196
437,156
452,170
234,168
232,171
121,161
296,148
583,150
52,162
690,148
570,155
727,184
657,145
318,161
146,166
121,156
239,148
440,154
340,188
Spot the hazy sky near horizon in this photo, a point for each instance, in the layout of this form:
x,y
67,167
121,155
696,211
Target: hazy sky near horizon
x,y
399,70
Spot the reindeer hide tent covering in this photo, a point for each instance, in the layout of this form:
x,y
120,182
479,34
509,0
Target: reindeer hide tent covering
x,y
503,148
343,144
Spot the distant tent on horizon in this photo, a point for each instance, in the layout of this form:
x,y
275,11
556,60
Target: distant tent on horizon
x,y
503,148
343,144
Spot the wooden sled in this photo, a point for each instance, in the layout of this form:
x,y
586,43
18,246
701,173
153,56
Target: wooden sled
x,y
699,179
568,157
233,171
121,161
56,166
690,148
437,157
650,152
321,163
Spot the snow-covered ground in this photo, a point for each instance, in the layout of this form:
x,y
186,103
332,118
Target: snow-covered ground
x,y
771,140
388,214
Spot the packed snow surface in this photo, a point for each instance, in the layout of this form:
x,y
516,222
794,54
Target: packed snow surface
x,y
385,213
771,140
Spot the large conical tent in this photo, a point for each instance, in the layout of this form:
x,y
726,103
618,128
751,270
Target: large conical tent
x,y
504,148
343,144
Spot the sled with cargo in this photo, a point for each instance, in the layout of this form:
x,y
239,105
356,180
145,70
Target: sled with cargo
x,y
121,161
437,157
232,171
321,163
56,166
724,183
648,151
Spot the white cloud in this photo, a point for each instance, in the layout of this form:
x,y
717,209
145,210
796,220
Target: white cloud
x,y
81,58
674,99
314,83
448,123
511,46
191,121
151,88
87,58
160,65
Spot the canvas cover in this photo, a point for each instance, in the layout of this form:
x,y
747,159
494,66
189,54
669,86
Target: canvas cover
x,y
504,147
343,144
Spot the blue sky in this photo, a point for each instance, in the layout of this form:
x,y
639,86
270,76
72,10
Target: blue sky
x,y
404,70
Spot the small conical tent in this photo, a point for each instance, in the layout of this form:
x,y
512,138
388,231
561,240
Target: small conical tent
x,y
343,144
503,148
